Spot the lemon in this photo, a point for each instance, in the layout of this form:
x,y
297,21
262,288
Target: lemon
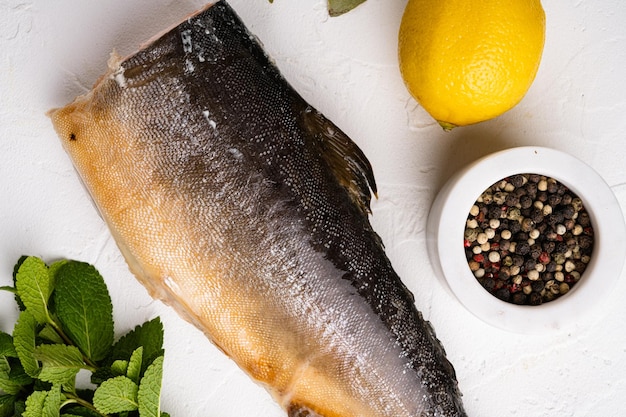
x,y
470,61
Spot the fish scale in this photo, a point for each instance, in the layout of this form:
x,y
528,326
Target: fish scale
x,y
237,203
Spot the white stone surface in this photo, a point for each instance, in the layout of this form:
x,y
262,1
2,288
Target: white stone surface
x,y
52,50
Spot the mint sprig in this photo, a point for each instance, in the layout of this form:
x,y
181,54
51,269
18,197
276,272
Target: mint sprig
x,y
66,326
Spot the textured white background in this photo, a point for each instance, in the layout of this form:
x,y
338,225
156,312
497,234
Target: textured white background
x,y
52,50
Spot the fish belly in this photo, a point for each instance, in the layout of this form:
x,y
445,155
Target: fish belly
x,y
241,206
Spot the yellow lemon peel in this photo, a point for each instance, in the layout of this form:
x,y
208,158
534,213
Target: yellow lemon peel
x,y
466,62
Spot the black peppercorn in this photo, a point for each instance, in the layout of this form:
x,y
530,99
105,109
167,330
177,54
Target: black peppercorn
x,y
512,200
489,284
530,264
503,294
531,189
494,212
517,180
535,251
568,211
535,299
561,248
522,248
554,200
566,199
555,218
542,196
585,242
526,201
519,298
538,285
584,220
548,246
536,216
553,187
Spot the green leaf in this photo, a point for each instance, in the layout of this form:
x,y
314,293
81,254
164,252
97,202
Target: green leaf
x,y
150,390
94,414
134,365
83,306
6,345
79,411
7,384
60,363
16,267
102,374
339,7
53,269
119,367
48,333
17,373
52,403
116,395
20,408
24,342
149,336
35,403
7,405
33,287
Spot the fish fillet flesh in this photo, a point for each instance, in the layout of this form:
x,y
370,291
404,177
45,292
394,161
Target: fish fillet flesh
x,y
237,203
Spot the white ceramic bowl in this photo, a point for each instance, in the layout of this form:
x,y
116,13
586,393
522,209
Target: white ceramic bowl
x,y
446,225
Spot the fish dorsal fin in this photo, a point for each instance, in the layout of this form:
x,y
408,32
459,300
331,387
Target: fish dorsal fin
x,y
347,161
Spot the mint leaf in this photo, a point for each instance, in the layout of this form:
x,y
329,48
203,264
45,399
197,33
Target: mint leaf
x,y
119,367
33,287
52,403
84,308
12,375
60,363
149,336
7,405
24,342
35,403
16,267
150,390
134,365
53,269
80,411
6,345
116,395
48,333
103,373
7,384
338,7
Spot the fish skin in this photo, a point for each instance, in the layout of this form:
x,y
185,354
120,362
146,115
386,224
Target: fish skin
x,y
245,209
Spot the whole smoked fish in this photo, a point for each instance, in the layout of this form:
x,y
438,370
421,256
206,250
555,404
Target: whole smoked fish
x,y
244,208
